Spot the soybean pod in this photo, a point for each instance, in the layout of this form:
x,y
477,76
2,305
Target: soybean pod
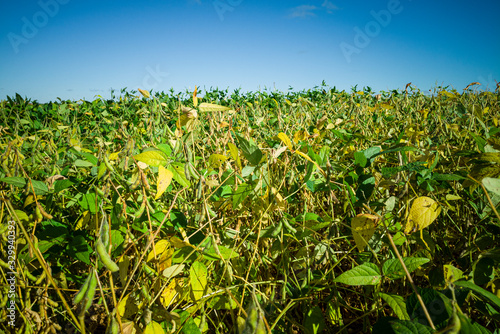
x,y
83,290
104,256
89,295
288,226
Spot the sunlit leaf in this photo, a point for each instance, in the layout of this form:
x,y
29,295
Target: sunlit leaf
x,y
492,184
393,268
284,138
212,107
173,270
174,292
365,274
195,98
397,303
127,307
235,154
198,280
423,212
153,158
240,194
164,180
178,243
160,247
300,135
144,93
178,173
153,328
215,160
451,273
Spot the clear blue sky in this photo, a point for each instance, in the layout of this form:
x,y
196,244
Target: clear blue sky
x,y
79,49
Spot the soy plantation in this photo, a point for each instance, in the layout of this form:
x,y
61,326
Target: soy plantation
x,y
318,211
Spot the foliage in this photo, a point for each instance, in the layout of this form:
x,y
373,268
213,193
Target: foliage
x,y
312,211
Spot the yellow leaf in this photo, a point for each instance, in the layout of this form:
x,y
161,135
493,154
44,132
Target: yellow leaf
x,y
284,138
363,226
164,180
305,156
160,247
123,264
178,243
215,160
212,107
153,328
234,154
386,106
172,292
198,278
195,98
127,307
423,212
451,273
113,156
300,135
173,271
83,222
144,93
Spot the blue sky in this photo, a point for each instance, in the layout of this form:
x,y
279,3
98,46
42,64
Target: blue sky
x,y
80,49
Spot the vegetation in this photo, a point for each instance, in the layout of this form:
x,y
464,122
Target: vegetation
x,y
299,212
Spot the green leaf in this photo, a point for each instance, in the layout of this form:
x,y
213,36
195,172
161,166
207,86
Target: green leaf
x,y
492,184
397,303
484,271
153,158
188,324
484,294
393,269
365,274
438,305
88,202
362,158
40,187
83,163
198,279
80,249
90,158
179,175
314,321
241,193
451,273
60,185
394,326
222,303
491,157
396,148
16,181
225,253
251,152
